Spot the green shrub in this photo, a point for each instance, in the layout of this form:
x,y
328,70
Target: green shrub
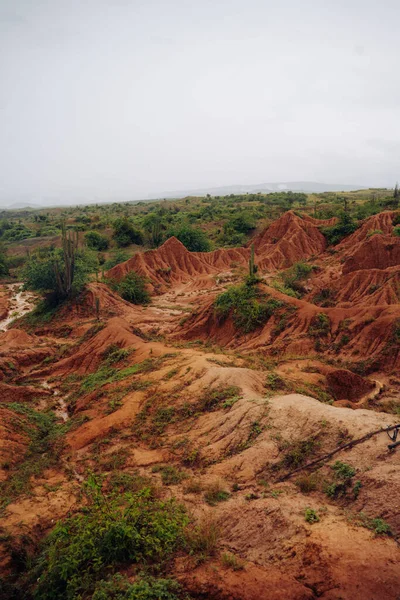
x,y
319,326
96,241
193,238
116,258
132,288
248,307
336,233
343,473
396,231
374,232
148,588
215,493
125,233
293,277
124,529
311,516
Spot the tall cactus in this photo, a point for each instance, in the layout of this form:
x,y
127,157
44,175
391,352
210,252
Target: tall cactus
x,y
252,266
65,274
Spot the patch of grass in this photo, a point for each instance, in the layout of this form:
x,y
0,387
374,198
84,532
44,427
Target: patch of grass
x,y
275,382
202,538
307,483
170,475
45,446
230,561
319,326
214,398
326,297
194,486
298,452
215,493
378,525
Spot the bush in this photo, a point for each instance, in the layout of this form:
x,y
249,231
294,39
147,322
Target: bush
x,y
319,326
248,307
132,288
396,231
293,277
115,259
124,529
343,228
96,241
125,233
150,588
48,274
3,262
311,516
192,238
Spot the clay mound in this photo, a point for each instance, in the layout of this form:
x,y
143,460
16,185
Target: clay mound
x,y
381,222
345,385
90,354
16,338
174,263
370,287
13,440
21,393
376,252
288,240
320,222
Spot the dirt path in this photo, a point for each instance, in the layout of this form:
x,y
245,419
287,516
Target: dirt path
x,y
21,302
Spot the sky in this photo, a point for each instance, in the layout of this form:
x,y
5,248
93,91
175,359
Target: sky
x,y
121,99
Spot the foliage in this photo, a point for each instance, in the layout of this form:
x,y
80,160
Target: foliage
x,y
396,231
231,561
125,233
343,475
170,475
319,326
96,241
4,264
215,493
132,288
293,277
61,273
112,531
343,228
193,238
378,525
311,516
147,588
213,398
116,258
45,445
248,307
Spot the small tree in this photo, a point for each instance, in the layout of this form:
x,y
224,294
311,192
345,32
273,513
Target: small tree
x,y
96,241
193,238
60,273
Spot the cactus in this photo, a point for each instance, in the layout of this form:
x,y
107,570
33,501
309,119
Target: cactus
x,y
65,275
252,267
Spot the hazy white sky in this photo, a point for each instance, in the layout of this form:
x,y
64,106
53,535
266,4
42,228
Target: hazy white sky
x,y
120,98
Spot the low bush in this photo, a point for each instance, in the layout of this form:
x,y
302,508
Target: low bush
x,y
248,307
113,531
132,288
311,516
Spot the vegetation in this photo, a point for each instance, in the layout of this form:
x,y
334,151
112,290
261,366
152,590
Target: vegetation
x,y
60,273
193,238
248,307
132,288
95,241
336,233
125,233
311,516
114,530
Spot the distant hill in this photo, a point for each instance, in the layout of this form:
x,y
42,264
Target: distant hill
x,y
293,186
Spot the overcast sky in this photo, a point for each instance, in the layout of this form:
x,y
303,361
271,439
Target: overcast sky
x,y
115,99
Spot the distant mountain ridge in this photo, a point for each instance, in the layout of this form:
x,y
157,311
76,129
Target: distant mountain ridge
x,y
293,186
